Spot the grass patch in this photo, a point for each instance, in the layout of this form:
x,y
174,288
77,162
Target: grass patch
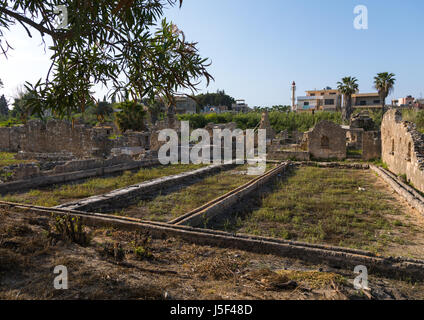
x,y
59,194
168,206
354,152
339,207
8,159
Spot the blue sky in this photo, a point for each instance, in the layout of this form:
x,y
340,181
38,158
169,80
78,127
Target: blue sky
x,y
258,48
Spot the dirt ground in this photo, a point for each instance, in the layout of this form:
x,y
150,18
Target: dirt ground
x,y
129,265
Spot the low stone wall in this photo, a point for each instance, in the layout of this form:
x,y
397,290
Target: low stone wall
x,y
221,205
125,197
38,180
288,155
413,198
336,257
33,170
337,165
403,148
58,137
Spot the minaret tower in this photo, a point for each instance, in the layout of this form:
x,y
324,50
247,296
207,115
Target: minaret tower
x,y
294,96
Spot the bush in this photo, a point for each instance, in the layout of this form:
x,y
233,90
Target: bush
x,y
113,250
9,122
70,229
280,121
131,116
141,246
416,117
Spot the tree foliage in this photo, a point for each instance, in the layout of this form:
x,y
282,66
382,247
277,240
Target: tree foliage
x,y
220,98
290,121
125,45
102,109
4,109
384,82
131,116
347,87
21,106
155,108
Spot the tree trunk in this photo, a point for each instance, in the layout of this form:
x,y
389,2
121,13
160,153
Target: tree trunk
x,y
347,109
171,116
154,116
383,104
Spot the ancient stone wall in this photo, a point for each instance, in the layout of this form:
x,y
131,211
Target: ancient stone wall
x,y
327,140
58,137
403,148
288,155
371,145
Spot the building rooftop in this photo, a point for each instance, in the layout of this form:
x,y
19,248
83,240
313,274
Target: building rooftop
x,y
374,94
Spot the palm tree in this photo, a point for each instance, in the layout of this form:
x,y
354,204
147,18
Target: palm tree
x,y
347,87
102,109
384,82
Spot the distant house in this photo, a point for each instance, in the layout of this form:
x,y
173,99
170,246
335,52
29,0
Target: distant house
x,y
215,109
366,101
419,104
185,105
326,100
240,106
404,102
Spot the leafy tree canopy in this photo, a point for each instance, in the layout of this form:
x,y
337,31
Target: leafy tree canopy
x,y
131,116
125,45
4,109
220,98
347,87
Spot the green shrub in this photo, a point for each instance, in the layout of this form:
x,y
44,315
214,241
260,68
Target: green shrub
x,y
70,229
280,121
416,117
131,117
141,247
114,250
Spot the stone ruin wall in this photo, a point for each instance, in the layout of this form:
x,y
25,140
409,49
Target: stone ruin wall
x,y
58,137
403,148
371,145
327,140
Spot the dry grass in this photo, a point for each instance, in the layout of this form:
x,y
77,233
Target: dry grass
x,y
176,269
8,158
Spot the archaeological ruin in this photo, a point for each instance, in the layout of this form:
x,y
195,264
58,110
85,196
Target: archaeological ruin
x,y
114,179
403,148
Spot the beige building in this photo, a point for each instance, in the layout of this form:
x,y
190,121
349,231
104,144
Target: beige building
x,y
366,101
326,100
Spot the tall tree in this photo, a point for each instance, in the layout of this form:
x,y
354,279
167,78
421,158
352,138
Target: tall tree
x,y
220,98
21,106
155,108
4,109
108,42
384,82
131,117
347,87
102,109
